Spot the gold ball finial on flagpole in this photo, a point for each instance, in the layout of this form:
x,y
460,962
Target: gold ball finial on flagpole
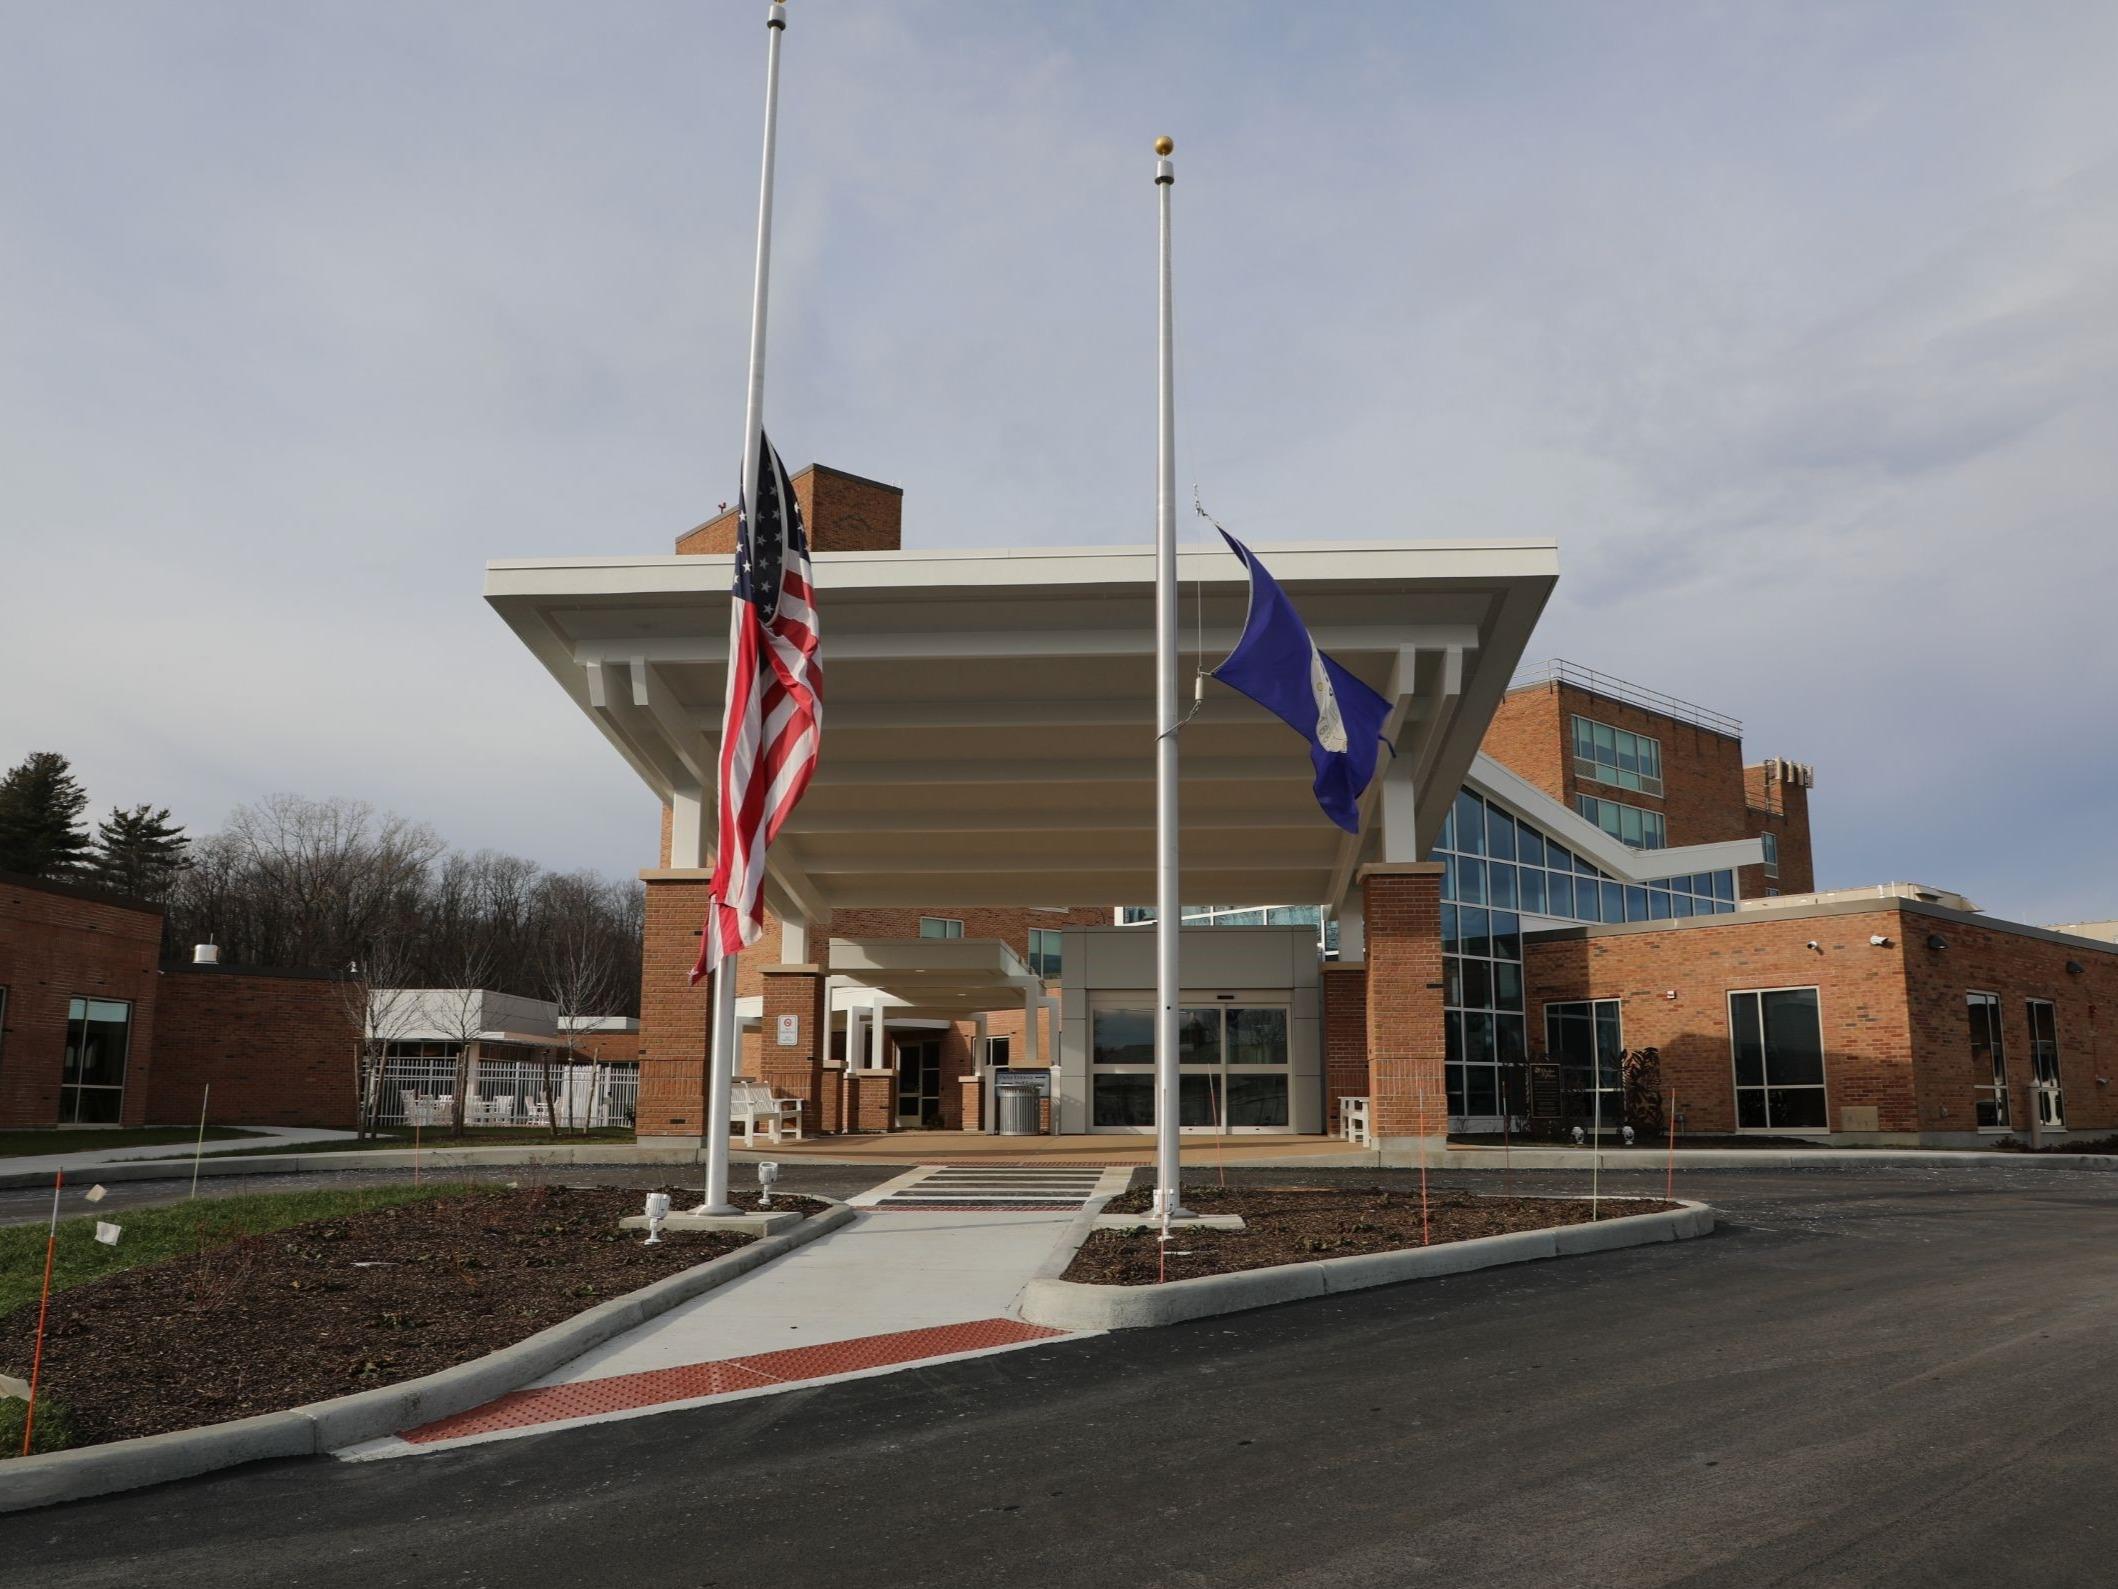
x,y
1165,146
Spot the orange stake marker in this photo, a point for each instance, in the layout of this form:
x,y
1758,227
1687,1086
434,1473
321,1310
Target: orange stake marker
x,y
36,1357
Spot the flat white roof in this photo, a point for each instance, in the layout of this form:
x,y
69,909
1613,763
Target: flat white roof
x,y
989,719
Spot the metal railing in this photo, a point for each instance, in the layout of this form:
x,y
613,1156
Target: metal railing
x,y
506,1092
1560,671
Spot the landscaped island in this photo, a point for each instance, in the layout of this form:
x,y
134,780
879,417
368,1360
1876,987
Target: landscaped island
x,y
1301,1224
226,1308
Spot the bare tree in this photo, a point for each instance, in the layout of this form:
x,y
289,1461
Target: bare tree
x,y
382,1010
458,1012
578,966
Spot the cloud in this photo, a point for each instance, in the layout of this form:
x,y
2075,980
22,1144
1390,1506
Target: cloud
x,y
1794,325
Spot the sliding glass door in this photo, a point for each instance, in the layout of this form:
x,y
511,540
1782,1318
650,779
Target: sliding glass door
x,y
1233,1068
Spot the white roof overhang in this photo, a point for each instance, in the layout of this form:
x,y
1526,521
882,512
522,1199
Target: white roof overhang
x,y
1524,799
989,720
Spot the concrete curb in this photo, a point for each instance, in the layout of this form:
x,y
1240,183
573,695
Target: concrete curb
x,y
1753,1159
1072,1305
324,1426
379,1159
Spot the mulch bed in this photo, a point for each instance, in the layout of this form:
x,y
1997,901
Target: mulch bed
x,y
276,1320
1300,1224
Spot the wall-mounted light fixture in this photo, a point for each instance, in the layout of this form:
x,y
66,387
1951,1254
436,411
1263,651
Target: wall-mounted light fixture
x,y
1936,941
1814,946
2075,968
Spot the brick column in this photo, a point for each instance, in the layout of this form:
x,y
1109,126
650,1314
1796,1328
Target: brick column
x,y
973,1089
673,1015
1406,1087
1345,1009
798,1072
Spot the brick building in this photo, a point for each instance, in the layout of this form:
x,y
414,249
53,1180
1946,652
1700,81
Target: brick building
x,y
989,743
95,1030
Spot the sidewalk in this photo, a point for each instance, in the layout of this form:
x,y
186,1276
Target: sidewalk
x,y
900,1286
176,1154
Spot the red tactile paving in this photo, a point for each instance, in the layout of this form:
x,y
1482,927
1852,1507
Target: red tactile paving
x,y
523,1409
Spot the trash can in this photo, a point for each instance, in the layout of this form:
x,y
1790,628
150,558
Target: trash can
x,y
1018,1111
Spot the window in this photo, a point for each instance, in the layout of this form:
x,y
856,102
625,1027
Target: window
x,y
1044,951
1634,825
1776,1037
997,1051
2044,1062
1771,841
940,927
92,1081
1611,755
1989,1059
1586,1037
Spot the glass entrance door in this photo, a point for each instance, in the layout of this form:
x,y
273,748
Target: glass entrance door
x,y
1233,1069
919,1082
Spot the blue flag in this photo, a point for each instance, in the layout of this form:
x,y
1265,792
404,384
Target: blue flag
x,y
1277,665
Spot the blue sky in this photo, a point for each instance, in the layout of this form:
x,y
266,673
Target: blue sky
x,y
1796,325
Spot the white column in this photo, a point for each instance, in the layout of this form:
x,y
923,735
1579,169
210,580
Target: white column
x,y
688,850
1352,933
1400,841
1051,1032
794,943
878,1055
1032,1050
854,1012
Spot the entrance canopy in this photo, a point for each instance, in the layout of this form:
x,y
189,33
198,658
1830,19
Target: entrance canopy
x,y
989,720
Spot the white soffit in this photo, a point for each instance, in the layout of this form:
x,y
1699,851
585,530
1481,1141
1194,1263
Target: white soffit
x,y
989,718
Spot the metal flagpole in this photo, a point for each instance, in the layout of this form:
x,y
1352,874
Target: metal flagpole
x,y
1169,907
724,975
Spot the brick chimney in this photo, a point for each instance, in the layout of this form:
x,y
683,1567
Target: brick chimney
x,y
843,513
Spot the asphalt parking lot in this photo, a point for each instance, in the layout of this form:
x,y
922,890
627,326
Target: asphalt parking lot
x,y
1873,1377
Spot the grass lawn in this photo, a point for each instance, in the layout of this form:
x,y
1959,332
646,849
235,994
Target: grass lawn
x,y
473,1137
35,1144
152,1234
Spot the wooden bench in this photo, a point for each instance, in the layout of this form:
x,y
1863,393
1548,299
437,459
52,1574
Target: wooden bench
x,y
1353,1121
753,1104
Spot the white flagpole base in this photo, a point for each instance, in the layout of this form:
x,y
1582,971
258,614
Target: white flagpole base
x,y
720,1083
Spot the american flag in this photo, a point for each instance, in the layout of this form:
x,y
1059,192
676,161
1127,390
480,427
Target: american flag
x,y
772,729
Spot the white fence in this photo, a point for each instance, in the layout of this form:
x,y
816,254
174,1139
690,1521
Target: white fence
x,y
503,1092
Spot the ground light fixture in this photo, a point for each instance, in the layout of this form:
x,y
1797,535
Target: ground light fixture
x,y
657,1210
766,1174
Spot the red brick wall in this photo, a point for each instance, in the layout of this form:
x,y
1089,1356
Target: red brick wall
x,y
58,943
277,1050
1402,910
842,512
1896,1033
1527,736
673,1016
2017,967
1344,997
1781,809
1861,1003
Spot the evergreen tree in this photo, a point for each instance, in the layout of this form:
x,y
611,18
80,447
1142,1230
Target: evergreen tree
x,y
40,818
139,852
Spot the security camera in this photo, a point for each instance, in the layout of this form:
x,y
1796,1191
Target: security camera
x,y
1813,944
1879,941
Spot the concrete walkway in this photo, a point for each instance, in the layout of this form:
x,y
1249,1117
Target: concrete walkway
x,y
904,1284
258,1137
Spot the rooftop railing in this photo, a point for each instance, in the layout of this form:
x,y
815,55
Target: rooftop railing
x,y
1560,671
